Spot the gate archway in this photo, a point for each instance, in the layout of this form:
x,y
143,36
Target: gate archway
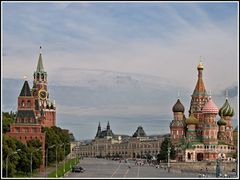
x,y
199,156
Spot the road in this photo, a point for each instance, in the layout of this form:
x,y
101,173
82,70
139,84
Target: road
x,y
102,168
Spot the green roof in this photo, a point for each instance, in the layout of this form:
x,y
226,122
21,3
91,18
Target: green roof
x,y
40,64
26,113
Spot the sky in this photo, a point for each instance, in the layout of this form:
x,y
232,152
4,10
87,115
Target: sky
x,y
120,62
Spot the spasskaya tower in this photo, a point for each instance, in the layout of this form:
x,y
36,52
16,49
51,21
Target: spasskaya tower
x,y
44,108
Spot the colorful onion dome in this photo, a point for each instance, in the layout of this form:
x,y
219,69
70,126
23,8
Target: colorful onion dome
x,y
177,123
178,107
210,107
226,109
221,122
191,120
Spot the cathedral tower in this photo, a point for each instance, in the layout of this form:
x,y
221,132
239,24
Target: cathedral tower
x,y
227,112
177,124
210,128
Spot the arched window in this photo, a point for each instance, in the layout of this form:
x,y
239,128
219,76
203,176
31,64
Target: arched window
x,y
22,103
42,76
28,103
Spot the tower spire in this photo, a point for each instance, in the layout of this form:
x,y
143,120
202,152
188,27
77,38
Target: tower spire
x,y
199,88
40,63
226,94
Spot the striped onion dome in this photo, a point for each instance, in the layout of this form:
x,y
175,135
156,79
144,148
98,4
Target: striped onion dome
x,y
178,107
210,107
191,120
221,122
226,109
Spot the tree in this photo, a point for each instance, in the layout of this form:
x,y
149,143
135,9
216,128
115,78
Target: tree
x,y
56,136
164,150
33,145
23,165
9,146
7,119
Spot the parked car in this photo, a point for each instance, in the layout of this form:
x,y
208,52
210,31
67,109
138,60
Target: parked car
x,y
78,169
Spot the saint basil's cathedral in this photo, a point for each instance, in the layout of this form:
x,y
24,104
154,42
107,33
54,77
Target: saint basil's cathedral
x,y
203,135
34,110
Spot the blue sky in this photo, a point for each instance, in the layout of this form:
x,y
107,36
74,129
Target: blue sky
x,y
157,41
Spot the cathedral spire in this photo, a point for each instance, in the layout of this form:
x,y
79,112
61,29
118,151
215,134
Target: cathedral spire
x,y
99,126
40,63
108,126
200,88
226,94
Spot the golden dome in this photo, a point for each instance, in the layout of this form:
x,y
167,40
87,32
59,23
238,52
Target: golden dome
x,y
200,65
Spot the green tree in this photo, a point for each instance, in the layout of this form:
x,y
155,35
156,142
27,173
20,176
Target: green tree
x,y
23,165
56,136
9,146
7,119
164,150
33,145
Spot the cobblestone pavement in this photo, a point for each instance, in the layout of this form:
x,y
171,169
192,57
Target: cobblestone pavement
x,y
102,168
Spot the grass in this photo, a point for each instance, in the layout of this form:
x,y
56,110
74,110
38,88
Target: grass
x,y
60,170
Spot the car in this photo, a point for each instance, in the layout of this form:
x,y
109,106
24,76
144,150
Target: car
x,y
78,169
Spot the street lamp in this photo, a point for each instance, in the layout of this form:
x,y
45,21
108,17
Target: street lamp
x,y
169,150
47,158
56,159
7,160
64,159
236,166
31,158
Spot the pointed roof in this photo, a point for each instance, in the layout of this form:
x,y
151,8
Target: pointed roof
x,y
99,126
108,126
25,90
200,88
40,64
139,132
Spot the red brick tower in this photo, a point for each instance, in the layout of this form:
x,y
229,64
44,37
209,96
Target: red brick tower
x,y
26,126
177,124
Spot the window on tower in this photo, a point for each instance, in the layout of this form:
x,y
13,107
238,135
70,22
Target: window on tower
x,y
22,103
28,103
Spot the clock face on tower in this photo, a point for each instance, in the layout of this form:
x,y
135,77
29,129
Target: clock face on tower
x,y
42,94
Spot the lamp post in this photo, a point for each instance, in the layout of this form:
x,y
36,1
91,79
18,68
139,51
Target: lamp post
x,y
7,160
64,159
31,158
236,166
169,150
47,158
